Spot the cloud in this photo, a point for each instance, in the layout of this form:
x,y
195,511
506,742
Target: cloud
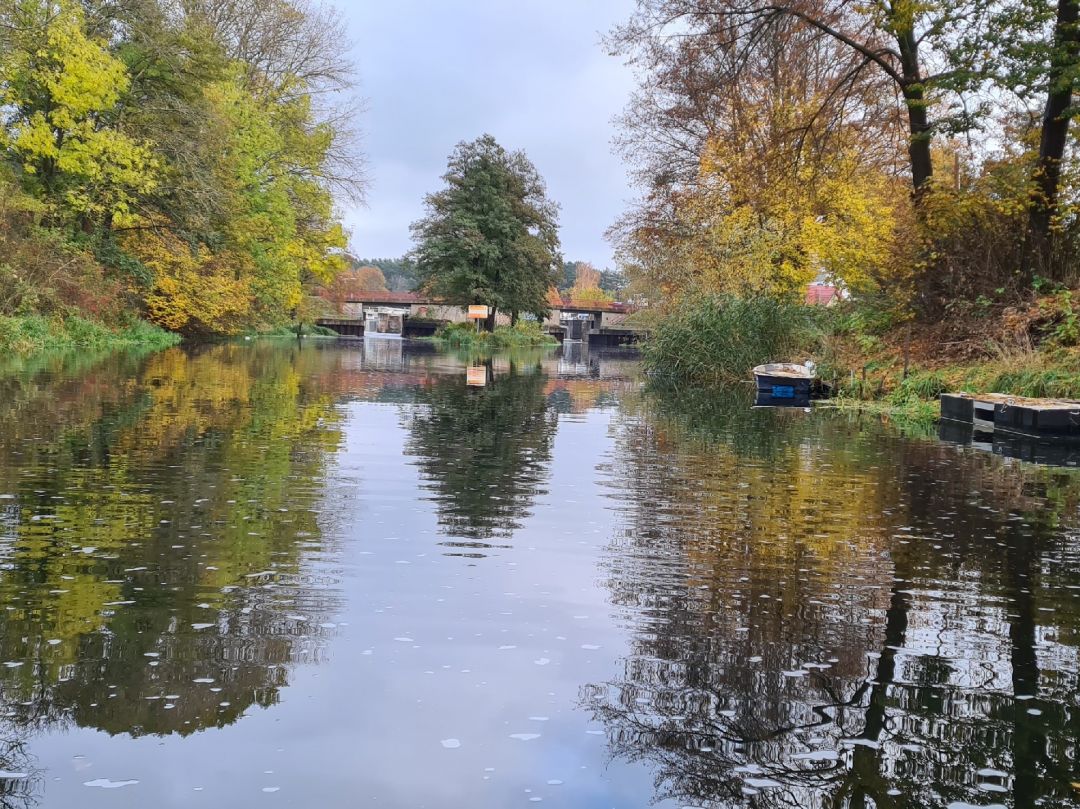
x,y
533,74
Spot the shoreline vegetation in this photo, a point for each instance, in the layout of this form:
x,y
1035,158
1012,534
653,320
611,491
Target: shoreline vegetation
x,y
520,335
896,372
176,172
915,166
178,165
33,334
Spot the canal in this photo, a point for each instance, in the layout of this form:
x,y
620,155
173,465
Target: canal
x,y
338,575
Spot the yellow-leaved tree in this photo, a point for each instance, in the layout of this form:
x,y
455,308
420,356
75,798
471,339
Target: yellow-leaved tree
x,y
60,89
586,290
752,232
195,291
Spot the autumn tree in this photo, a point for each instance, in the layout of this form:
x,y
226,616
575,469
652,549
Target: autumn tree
x,y
587,276
760,184
351,285
586,289
400,273
490,236
193,152
60,90
903,45
1034,46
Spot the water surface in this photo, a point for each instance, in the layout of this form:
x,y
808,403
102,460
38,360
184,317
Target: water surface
x,y
337,575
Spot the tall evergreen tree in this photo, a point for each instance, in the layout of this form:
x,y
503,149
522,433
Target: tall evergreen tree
x,y
490,237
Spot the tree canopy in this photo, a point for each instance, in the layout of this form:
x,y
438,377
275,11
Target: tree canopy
x,y
772,142
182,159
490,236
400,273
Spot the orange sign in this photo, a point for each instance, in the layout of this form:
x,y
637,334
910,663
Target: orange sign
x,y
476,376
478,312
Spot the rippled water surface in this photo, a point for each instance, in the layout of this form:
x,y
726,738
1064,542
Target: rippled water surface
x,y
338,576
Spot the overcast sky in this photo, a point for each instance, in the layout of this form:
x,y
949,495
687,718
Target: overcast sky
x,y
530,72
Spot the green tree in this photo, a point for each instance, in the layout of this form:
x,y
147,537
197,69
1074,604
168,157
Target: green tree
x,y
569,275
490,236
612,281
59,91
190,153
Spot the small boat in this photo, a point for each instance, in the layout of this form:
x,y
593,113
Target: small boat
x,y
785,380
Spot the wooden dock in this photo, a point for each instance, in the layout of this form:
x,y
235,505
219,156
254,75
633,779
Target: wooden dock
x,y
993,412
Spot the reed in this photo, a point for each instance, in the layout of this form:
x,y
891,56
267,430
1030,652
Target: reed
x,y
715,340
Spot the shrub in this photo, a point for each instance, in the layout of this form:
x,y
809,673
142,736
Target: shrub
x,y
31,333
718,339
525,333
919,387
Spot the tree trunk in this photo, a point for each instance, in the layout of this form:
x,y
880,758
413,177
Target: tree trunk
x,y
868,781
920,133
513,317
489,321
1055,131
1028,738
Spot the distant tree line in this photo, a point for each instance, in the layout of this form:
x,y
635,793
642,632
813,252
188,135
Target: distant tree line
x,y
399,273
612,282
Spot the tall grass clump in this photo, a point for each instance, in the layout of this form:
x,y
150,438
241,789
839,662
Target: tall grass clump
x,y
715,340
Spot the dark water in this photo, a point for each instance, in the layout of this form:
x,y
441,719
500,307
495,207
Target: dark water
x,y
333,576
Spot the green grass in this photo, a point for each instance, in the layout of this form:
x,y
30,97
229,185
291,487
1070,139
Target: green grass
x,y
36,333
913,401
1053,383
464,335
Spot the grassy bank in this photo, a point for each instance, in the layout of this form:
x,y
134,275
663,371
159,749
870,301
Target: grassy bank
x,y
36,333
1042,374
874,364
464,335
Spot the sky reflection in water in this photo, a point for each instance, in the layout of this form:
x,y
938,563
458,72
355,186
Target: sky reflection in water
x,y
338,576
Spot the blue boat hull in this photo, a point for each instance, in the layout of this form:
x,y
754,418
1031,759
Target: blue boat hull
x,y
783,387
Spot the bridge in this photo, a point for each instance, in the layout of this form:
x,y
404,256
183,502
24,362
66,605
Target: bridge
x,y
602,324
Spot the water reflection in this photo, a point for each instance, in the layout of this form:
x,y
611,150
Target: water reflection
x,y
809,610
825,616
158,539
1046,450
484,451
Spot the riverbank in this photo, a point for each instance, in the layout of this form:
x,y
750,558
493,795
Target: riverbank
x,y
871,362
902,372
30,334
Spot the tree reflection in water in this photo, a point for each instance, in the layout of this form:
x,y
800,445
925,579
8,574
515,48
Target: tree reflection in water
x,y
159,540
19,780
827,617
484,452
